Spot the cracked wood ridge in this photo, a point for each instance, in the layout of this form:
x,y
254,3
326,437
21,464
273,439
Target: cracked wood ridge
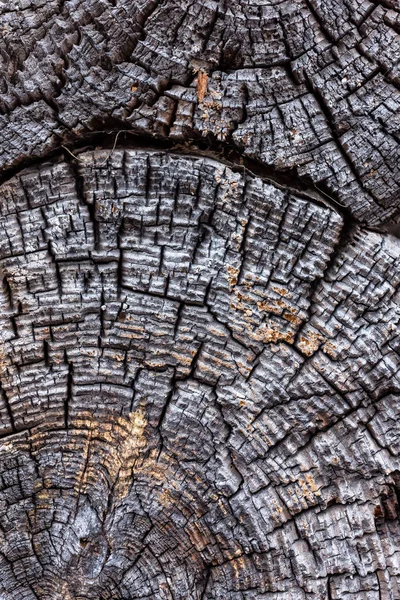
x,y
199,300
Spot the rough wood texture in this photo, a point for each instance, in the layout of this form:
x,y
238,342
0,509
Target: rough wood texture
x,y
307,85
199,360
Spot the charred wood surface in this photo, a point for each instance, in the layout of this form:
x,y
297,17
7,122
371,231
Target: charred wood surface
x,y
199,300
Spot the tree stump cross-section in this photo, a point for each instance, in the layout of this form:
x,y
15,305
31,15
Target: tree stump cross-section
x,y
199,300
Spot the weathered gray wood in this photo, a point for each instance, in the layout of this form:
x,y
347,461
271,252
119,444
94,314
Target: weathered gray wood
x,y
307,85
199,359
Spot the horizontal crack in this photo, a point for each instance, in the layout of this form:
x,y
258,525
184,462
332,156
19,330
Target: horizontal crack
x,y
122,138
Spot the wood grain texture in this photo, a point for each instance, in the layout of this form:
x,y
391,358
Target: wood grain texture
x,y
199,387
306,85
199,319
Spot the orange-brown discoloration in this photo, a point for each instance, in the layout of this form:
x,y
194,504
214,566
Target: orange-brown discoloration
x,y
202,80
269,334
282,291
232,275
289,316
272,308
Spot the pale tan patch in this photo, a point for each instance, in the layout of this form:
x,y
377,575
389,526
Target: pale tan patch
x,y
329,349
310,343
118,444
309,488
